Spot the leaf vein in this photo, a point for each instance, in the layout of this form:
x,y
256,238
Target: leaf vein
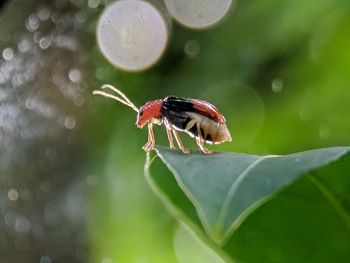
x,y
234,186
331,198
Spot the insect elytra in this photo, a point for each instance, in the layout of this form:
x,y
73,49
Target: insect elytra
x,y
198,118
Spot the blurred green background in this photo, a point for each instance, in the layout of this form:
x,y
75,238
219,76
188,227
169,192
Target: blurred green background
x,y
71,165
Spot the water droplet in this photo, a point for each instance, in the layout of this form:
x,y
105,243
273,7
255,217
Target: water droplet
x,y
32,23
7,53
24,45
74,75
10,218
22,224
44,14
79,100
44,43
51,153
70,122
277,85
80,17
192,48
198,13
93,3
37,36
132,34
65,42
12,194
55,18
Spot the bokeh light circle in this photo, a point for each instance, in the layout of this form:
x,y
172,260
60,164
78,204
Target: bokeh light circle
x,y
132,34
198,13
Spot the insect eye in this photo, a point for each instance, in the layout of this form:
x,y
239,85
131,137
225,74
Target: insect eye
x,y
141,113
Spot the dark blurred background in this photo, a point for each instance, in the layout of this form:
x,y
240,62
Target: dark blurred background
x,y
71,165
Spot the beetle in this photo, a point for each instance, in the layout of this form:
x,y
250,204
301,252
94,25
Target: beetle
x,y
198,118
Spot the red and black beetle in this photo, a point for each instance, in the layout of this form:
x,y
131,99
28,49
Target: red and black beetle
x,y
197,118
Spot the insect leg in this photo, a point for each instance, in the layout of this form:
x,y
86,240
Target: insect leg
x,y
200,141
179,142
170,138
151,141
190,124
148,142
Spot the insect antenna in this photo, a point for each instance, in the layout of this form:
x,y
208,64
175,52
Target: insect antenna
x,y
121,98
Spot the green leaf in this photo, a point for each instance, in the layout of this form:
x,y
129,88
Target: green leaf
x,y
216,193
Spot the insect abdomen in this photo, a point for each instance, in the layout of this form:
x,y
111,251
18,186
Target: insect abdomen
x,y
211,131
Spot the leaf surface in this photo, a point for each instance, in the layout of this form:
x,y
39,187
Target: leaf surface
x,y
292,208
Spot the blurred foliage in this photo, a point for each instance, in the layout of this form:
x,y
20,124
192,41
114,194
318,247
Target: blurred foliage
x,y
278,70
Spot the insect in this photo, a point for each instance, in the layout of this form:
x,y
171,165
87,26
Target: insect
x,y
198,118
